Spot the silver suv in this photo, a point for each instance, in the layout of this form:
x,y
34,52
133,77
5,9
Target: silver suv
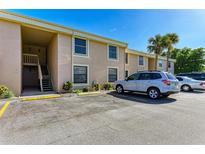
x,y
154,83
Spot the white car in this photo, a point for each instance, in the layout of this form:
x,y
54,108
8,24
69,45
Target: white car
x,y
154,83
189,84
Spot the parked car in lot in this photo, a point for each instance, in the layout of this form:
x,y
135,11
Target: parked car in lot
x,y
189,84
154,83
194,75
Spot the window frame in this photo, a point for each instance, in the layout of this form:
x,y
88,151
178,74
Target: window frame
x,y
117,52
139,60
88,72
87,47
108,73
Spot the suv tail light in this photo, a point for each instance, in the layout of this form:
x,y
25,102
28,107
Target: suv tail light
x,y
166,82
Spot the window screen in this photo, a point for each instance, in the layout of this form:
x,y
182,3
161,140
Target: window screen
x,y
80,74
80,46
112,74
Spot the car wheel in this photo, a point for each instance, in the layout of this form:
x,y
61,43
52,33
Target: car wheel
x,y
153,93
186,88
119,89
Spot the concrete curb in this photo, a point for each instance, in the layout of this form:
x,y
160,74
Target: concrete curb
x,y
39,97
89,93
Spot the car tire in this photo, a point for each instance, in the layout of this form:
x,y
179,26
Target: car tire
x,y
186,88
153,93
119,89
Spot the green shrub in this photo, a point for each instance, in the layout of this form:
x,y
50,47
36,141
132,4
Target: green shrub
x,y
3,89
91,89
68,86
5,92
101,86
96,87
77,91
85,89
107,86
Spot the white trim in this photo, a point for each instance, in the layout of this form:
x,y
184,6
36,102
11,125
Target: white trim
x,y
118,55
108,72
87,55
88,75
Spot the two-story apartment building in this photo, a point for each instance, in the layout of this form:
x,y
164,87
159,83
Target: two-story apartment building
x,y
40,55
139,61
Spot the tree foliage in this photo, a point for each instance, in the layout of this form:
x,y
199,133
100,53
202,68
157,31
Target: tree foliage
x,y
170,39
189,60
156,46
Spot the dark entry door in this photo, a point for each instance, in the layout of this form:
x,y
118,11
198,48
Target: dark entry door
x,y
30,76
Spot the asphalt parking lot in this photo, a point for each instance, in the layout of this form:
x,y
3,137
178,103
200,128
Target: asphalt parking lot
x,y
106,119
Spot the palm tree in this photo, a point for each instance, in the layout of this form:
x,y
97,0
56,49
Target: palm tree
x,y
169,40
156,46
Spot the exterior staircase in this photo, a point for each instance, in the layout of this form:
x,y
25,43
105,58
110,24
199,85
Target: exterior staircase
x,y
46,81
43,73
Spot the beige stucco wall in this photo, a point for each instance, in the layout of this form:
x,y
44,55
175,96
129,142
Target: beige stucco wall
x,y
164,64
10,56
133,64
64,59
98,62
59,60
53,61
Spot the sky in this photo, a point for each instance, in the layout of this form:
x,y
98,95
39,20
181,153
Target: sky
x,y
134,27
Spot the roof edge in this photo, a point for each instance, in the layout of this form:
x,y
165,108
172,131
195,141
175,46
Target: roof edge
x,y
150,55
30,21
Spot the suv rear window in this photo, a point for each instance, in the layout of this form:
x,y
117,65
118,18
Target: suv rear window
x,y
156,76
170,76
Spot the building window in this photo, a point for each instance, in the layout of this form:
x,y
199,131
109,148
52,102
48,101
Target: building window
x,y
112,74
141,60
160,63
112,52
80,47
169,64
80,74
126,74
126,58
